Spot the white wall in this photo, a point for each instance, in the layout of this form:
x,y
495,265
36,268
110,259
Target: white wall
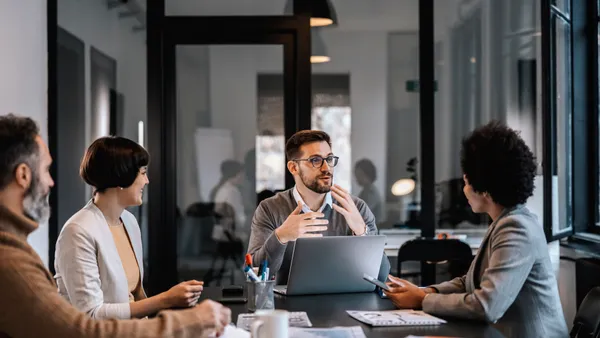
x,y
96,26
23,69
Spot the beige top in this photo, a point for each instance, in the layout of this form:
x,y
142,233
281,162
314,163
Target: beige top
x,y
130,265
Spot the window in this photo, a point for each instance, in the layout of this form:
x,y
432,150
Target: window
x,y
331,113
562,114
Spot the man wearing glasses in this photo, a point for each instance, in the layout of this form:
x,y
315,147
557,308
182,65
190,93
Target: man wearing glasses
x,y
315,207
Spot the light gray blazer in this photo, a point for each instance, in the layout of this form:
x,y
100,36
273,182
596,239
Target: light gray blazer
x,y
89,271
511,282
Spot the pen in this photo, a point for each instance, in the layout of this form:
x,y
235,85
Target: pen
x,y
261,269
265,272
249,260
251,274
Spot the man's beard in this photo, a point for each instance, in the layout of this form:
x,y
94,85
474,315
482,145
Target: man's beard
x,y
316,185
37,203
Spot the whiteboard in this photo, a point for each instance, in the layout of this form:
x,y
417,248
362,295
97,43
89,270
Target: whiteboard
x,y
213,146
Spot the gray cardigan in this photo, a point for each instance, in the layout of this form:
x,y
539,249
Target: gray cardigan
x,y
89,271
273,211
511,282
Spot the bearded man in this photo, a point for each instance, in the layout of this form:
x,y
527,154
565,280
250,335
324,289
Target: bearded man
x,y
314,207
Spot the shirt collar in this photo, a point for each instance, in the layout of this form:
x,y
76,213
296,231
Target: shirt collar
x,y
305,208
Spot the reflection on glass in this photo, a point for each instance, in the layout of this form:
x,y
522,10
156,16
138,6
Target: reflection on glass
x,y
480,80
336,121
270,174
563,5
229,148
563,97
225,7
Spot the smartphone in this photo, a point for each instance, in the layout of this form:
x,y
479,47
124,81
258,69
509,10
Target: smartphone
x,y
232,294
375,281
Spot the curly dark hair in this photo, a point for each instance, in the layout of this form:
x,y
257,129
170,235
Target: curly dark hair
x,y
496,160
17,145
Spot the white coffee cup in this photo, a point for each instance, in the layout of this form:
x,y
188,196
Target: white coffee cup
x,y
270,323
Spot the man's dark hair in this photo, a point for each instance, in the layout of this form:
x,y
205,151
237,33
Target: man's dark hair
x,y
292,146
112,162
17,146
367,167
496,160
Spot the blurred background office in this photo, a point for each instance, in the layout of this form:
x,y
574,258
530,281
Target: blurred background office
x,y
528,63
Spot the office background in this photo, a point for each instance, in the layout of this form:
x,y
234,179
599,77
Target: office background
x,y
404,83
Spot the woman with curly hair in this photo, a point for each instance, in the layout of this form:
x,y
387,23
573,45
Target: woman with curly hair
x,y
511,281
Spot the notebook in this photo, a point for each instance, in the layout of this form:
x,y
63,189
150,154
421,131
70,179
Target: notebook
x,y
395,318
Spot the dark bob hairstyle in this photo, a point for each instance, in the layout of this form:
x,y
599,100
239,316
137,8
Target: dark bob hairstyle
x,y
112,162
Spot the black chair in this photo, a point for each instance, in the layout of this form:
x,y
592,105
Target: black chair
x,y
587,277
436,251
228,249
587,321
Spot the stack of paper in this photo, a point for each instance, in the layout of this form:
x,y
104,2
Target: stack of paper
x,y
296,319
334,332
395,318
232,332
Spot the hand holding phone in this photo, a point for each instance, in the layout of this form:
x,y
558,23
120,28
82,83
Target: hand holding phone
x,y
376,282
396,281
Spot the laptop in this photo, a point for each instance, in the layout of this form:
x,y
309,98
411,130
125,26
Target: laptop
x,y
333,265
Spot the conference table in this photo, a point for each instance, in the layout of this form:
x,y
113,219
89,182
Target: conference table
x,y
330,310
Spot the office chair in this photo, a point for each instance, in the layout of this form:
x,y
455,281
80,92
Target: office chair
x,y
436,251
229,248
587,320
587,276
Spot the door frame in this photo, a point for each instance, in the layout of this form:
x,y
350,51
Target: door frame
x,y
164,33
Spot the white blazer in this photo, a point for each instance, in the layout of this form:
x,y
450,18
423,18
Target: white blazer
x,y
89,271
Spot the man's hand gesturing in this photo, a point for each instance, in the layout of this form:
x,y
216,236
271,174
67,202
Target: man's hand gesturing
x,y
299,225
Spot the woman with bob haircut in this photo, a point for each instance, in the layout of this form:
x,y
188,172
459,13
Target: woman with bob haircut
x,y
99,256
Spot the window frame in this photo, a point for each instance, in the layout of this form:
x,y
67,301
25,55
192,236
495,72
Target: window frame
x,y
585,122
593,34
549,16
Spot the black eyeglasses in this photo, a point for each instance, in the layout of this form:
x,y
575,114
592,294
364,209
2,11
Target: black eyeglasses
x,y
317,161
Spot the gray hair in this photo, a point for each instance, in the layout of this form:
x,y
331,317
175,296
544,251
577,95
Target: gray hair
x,y
17,146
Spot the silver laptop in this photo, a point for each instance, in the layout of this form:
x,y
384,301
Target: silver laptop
x,y
333,265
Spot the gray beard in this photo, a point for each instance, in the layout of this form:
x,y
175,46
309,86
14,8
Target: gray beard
x,y
36,205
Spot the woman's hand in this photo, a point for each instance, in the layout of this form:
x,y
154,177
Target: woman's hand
x,y
404,294
185,294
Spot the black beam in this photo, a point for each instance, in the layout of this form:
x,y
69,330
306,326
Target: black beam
x,y
297,89
427,116
51,36
585,120
593,116
427,124
162,253
547,115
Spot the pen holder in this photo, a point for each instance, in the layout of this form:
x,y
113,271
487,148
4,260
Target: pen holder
x,y
260,295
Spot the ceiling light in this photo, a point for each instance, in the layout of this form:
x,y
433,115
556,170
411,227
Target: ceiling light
x,y
322,12
403,187
318,48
